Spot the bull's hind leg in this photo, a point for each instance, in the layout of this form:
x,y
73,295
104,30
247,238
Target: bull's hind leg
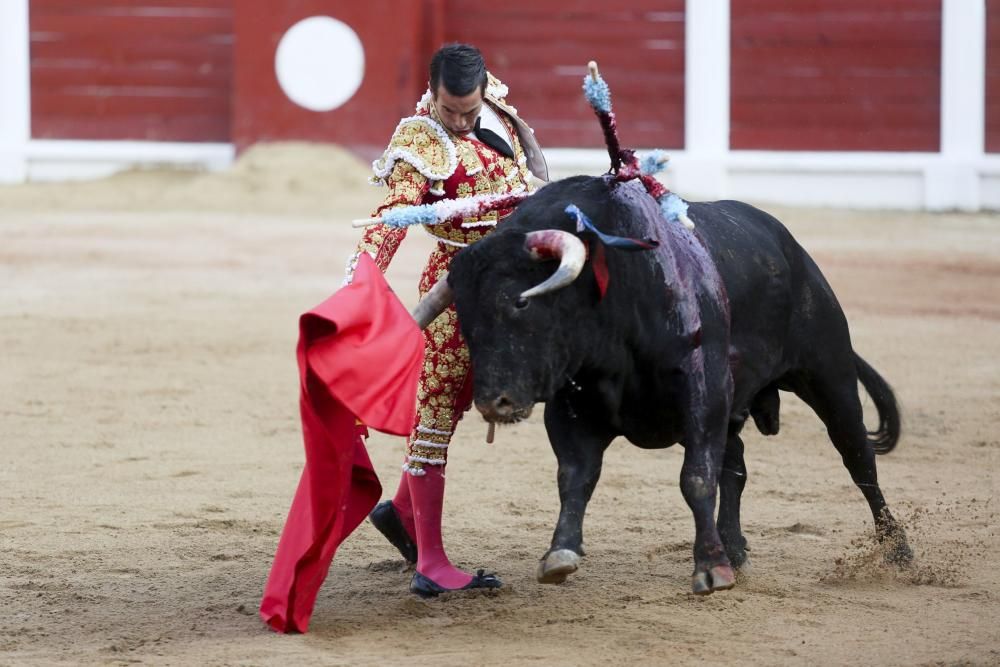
x,y
579,448
732,479
834,397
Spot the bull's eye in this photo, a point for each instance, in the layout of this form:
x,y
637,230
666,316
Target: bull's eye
x,y
521,303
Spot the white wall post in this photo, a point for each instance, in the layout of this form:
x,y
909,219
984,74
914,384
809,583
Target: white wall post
x,y
954,181
15,90
706,100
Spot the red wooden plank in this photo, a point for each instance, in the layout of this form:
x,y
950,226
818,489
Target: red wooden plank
x,y
152,127
560,90
57,75
43,9
812,31
90,5
572,62
131,69
49,27
195,53
992,129
837,6
585,34
782,86
835,75
585,134
874,57
802,114
108,102
464,7
834,139
540,49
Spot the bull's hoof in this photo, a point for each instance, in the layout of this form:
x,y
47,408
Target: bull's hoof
x,y
899,554
557,565
718,578
896,548
739,558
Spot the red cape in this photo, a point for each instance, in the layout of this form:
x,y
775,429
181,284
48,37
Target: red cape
x,y
359,355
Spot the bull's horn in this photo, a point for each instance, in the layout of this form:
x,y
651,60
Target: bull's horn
x,y
550,244
434,302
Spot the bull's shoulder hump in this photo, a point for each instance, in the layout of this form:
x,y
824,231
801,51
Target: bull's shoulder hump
x,y
733,212
728,207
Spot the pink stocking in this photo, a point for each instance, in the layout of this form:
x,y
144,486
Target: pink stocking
x,y
404,506
427,494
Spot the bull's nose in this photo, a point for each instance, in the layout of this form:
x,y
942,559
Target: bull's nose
x,y
500,408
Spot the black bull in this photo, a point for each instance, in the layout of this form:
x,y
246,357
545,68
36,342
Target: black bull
x,y
683,347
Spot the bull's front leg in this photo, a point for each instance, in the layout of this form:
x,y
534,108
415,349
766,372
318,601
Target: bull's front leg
x,y
579,446
699,482
707,420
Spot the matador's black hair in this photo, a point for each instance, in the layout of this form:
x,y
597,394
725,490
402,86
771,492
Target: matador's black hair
x,y
460,67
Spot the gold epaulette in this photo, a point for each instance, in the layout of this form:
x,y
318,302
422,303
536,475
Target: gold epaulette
x,y
495,88
423,143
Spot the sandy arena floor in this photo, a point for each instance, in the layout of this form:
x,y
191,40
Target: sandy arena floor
x,y
150,448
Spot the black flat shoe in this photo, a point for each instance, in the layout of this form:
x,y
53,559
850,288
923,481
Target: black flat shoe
x,y
426,588
385,518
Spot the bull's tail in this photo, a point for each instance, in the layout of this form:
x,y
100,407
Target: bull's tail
x,y
884,439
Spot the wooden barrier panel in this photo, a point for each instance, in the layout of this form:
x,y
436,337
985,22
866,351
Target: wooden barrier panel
x,y
391,34
540,49
836,75
993,76
131,69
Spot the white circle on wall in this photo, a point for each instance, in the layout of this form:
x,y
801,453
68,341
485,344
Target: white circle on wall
x,y
320,63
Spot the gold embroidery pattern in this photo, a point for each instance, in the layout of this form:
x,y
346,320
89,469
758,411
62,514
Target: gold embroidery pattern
x,y
418,456
458,235
444,391
492,179
470,158
418,142
484,184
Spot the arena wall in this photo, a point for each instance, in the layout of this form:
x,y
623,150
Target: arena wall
x,y
993,76
541,46
126,70
823,102
854,75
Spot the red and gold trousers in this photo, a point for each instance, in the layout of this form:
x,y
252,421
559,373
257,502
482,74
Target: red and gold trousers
x,y
444,391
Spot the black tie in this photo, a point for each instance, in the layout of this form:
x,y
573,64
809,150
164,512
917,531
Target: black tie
x,y
493,140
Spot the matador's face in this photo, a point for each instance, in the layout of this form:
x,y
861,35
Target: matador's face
x,y
458,114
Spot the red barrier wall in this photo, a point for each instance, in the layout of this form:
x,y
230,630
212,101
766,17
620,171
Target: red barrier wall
x,y
540,49
806,75
131,69
993,76
836,75
394,36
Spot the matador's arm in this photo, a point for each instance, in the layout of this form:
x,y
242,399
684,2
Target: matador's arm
x,y
407,187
